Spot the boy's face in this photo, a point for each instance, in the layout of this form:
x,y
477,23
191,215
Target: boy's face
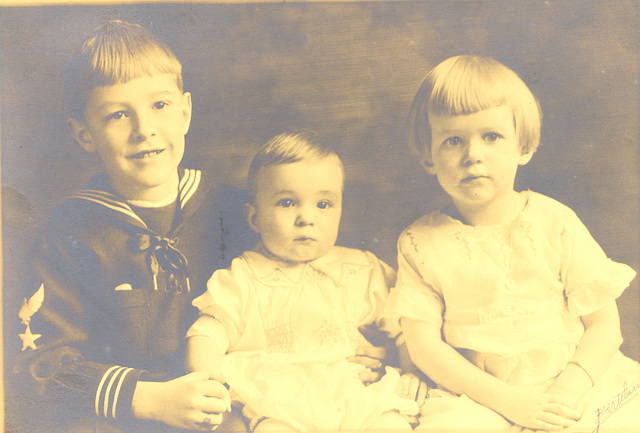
x,y
298,207
137,128
475,156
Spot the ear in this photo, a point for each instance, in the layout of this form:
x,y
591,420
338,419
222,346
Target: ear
x,y
187,108
525,158
428,166
250,214
81,134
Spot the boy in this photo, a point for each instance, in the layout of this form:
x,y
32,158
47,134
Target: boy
x,y
113,274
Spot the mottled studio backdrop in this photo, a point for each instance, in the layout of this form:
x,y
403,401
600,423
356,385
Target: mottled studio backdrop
x,y
347,71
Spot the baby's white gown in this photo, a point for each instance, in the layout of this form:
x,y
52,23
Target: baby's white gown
x,y
290,332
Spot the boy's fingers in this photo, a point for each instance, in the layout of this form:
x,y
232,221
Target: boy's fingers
x,y
214,406
213,388
216,376
211,421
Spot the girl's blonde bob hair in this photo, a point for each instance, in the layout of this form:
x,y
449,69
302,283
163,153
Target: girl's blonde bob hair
x,y
468,84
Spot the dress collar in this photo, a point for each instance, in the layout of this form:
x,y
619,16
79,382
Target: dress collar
x,y
340,264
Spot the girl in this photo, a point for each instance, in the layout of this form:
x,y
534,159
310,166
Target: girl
x,y
287,313
504,298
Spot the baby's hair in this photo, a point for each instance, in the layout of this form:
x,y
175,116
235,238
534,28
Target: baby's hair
x,y
287,148
468,84
115,53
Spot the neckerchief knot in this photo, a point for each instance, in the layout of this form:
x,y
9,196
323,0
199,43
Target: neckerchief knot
x,y
163,253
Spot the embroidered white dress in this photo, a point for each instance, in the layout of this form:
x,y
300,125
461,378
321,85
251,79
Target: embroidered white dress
x,y
509,298
290,330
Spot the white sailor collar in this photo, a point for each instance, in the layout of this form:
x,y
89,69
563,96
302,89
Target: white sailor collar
x,y
340,264
100,192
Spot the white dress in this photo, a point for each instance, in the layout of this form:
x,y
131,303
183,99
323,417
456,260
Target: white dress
x,y
290,330
509,298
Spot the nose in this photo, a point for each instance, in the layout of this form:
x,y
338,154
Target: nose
x,y
304,217
143,126
474,152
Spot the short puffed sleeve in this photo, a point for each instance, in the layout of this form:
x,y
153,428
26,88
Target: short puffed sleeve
x,y
414,295
590,278
230,299
383,277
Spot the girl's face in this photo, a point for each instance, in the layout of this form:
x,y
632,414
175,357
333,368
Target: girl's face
x,y
475,156
298,207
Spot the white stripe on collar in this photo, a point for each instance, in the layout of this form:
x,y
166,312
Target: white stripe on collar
x,y
188,185
108,200
186,189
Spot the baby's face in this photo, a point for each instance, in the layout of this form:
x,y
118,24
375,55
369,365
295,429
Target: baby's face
x,y
138,128
298,207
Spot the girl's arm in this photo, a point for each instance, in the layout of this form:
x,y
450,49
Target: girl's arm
x,y
594,354
526,406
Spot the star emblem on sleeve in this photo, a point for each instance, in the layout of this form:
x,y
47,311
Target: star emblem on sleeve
x,y
28,309
28,339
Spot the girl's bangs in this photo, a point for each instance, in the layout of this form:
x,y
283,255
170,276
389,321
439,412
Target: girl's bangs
x,y
468,90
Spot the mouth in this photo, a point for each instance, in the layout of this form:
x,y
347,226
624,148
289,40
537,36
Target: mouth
x,y
304,239
469,179
146,154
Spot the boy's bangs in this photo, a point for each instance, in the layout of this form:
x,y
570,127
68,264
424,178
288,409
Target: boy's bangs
x,y
113,67
467,91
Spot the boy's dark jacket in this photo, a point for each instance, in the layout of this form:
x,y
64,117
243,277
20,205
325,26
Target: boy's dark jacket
x,y
108,301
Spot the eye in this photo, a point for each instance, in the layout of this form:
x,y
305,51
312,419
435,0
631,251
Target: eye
x,y
452,141
324,204
492,136
160,105
285,202
117,115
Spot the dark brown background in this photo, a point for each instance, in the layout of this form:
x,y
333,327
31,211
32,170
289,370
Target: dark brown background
x,y
349,72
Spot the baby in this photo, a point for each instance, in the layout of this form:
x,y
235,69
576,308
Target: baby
x,y
287,313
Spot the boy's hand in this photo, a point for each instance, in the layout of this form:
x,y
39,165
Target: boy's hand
x,y
193,402
531,407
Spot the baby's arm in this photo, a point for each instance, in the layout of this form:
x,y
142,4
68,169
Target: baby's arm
x,y
186,402
204,354
525,406
197,400
594,353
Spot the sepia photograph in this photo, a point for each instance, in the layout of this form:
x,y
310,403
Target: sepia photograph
x,y
320,216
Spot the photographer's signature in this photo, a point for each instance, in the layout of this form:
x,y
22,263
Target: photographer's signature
x,y
605,411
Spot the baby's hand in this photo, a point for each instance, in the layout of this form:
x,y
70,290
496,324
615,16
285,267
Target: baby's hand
x,y
535,409
373,358
193,402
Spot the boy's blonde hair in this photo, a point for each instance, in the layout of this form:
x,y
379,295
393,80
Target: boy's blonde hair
x,y
287,148
114,54
468,84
